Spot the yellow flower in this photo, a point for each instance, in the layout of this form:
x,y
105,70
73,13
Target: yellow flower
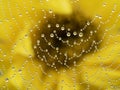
x,y
59,45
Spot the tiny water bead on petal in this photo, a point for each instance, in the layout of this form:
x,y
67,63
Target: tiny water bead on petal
x,y
62,28
51,35
74,33
57,25
49,26
80,34
68,29
49,43
7,80
68,34
42,35
50,11
38,41
1,72
88,23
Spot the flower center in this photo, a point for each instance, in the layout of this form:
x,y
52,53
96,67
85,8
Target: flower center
x,y
63,40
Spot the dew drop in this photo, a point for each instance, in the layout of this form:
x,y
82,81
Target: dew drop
x,y
42,35
69,29
26,12
57,48
91,32
60,38
50,11
49,26
74,33
49,43
38,41
46,50
6,80
33,8
20,15
57,25
54,31
88,23
113,11
51,35
68,34
74,42
20,71
119,15
35,47
81,40
80,34
26,36
104,4
100,17
0,22
1,73
62,28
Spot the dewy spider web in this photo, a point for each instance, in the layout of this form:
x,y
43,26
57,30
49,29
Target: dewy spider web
x,y
43,49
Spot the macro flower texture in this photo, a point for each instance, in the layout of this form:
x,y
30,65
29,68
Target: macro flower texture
x,y
59,45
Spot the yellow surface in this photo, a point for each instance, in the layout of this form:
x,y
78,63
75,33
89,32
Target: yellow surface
x,y
100,70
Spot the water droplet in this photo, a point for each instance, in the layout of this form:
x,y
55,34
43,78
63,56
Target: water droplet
x,y
0,22
50,11
31,30
49,43
54,31
57,48
57,25
74,42
100,17
74,54
20,15
104,4
68,34
38,41
88,23
74,63
60,38
52,35
91,32
80,34
35,47
81,40
119,15
26,36
46,50
30,56
6,80
1,72
33,8
19,70
44,17
4,55
26,12
13,68
74,33
42,35
113,11
39,21
69,29
62,28
49,26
